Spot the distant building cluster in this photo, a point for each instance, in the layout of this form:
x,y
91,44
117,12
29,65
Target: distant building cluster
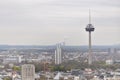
x,y
58,54
28,73
13,59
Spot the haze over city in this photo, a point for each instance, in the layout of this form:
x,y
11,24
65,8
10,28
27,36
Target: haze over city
x,y
47,22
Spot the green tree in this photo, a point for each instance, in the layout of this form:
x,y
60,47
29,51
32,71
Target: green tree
x,y
16,68
7,78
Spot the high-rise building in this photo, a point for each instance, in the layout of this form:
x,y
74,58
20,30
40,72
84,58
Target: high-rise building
x,y
58,54
28,72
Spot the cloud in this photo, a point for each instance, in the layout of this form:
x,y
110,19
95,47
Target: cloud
x,y
48,21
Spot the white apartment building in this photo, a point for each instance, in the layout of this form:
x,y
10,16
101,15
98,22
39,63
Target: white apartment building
x,y
28,72
58,55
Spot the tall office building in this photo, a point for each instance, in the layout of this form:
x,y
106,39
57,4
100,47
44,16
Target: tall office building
x,y
58,55
28,72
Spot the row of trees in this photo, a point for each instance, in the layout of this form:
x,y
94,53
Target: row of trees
x,y
67,66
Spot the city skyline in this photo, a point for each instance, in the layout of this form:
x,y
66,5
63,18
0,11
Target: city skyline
x,y
47,22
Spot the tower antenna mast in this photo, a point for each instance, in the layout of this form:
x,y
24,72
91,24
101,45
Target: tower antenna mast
x,y
89,16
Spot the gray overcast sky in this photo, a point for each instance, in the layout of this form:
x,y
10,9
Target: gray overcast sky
x,y
46,22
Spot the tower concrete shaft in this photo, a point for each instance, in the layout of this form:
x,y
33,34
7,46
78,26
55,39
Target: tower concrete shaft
x,y
90,50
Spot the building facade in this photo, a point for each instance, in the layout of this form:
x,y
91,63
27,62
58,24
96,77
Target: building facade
x,y
58,54
12,59
28,72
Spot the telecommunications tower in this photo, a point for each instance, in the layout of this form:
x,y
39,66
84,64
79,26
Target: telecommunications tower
x,y
90,29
